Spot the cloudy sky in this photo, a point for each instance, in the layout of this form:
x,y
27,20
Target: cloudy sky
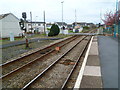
x,y
86,10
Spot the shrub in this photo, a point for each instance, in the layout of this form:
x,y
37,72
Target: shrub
x,y
51,34
54,30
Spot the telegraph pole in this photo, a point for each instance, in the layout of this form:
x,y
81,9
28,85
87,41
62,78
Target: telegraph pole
x,y
62,13
44,22
75,18
31,20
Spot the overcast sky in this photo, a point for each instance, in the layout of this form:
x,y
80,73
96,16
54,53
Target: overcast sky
x,y
86,10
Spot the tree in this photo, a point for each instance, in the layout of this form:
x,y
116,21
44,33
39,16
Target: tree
x,y
111,18
54,30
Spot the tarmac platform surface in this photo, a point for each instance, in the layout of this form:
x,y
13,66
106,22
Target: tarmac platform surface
x,y
101,66
108,53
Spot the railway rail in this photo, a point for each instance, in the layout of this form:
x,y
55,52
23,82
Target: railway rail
x,y
48,69
31,63
41,55
15,65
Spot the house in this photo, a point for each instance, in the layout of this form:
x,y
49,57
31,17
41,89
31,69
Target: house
x,y
91,25
83,24
61,24
49,25
35,26
80,24
70,26
9,24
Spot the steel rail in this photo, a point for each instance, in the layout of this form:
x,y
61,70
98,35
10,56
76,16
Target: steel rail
x,y
14,60
76,63
50,66
17,69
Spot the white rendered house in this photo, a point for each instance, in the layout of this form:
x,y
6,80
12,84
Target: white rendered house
x,y
9,24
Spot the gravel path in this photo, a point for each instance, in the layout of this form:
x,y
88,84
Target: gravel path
x,y
12,52
20,78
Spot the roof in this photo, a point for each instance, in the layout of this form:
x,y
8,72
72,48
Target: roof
x,y
34,22
5,15
60,23
80,22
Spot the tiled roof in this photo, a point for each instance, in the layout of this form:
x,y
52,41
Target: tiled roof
x,y
60,23
3,15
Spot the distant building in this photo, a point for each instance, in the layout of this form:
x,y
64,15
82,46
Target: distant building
x,y
9,23
48,25
36,27
82,24
90,25
60,24
70,26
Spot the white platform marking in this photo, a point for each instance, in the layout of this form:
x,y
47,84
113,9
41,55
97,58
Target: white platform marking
x,y
94,49
79,78
92,71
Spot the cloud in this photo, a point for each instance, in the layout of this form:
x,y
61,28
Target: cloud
x,y
87,10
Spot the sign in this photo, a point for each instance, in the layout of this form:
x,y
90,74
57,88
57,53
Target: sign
x,y
11,37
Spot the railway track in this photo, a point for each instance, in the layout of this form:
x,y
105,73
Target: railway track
x,y
11,66
10,75
41,57
46,79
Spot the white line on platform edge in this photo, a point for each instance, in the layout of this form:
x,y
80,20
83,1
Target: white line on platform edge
x,y
80,75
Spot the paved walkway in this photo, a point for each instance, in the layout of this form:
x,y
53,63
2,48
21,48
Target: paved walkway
x,y
23,42
101,66
108,52
92,72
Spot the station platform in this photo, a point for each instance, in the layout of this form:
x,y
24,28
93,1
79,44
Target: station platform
x,y
100,66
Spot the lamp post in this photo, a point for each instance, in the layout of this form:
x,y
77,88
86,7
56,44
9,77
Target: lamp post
x,y
115,26
119,20
36,23
44,21
31,20
62,13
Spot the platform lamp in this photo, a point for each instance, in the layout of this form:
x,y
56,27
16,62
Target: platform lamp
x,y
115,25
119,20
62,13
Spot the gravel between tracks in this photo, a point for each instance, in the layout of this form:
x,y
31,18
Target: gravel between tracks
x,y
21,78
57,75
15,51
25,60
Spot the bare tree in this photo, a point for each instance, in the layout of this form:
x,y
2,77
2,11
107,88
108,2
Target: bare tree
x,y
111,18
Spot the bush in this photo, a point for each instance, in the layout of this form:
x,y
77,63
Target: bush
x,y
54,30
51,34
